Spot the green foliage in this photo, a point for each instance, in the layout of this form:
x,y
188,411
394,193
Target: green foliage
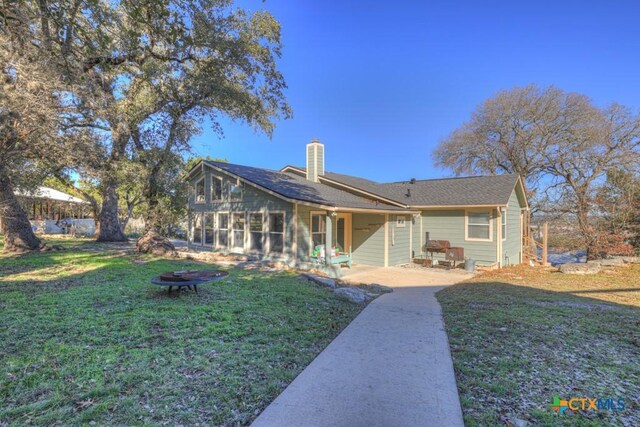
x,y
192,161
126,85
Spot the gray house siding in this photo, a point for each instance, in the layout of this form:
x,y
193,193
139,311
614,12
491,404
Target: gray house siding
x,y
417,239
450,225
511,246
368,239
304,231
399,240
253,200
367,244
371,241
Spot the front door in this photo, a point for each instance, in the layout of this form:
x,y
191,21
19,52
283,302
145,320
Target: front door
x,y
343,231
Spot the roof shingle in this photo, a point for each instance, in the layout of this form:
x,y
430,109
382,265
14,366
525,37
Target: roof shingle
x,y
493,190
294,186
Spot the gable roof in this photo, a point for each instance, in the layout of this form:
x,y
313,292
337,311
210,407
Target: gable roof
x,y
297,188
492,190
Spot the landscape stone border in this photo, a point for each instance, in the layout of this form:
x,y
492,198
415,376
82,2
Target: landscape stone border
x,y
596,266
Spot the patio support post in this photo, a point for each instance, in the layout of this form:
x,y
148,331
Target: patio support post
x,y
328,238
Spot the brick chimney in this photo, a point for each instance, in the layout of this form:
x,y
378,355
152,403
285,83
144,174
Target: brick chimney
x,y
315,160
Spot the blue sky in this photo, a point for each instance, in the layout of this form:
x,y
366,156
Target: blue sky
x,y
380,83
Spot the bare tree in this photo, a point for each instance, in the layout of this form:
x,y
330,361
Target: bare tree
x,y
578,166
619,201
511,132
560,143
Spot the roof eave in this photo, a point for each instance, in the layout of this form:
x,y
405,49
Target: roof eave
x,y
377,210
200,163
490,205
524,193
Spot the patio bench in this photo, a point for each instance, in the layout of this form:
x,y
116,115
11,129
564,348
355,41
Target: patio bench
x,y
337,258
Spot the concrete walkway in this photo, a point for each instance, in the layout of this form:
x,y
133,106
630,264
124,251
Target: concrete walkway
x,y
390,367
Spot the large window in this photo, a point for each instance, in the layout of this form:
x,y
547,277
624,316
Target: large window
x,y
223,230
197,229
318,230
209,229
238,225
479,225
234,191
199,191
255,232
216,188
276,233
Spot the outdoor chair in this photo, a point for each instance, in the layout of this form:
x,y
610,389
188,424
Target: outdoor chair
x,y
338,256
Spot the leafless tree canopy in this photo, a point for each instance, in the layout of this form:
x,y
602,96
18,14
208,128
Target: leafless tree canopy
x,y
559,142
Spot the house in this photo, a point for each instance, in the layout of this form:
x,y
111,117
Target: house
x,y
286,214
53,212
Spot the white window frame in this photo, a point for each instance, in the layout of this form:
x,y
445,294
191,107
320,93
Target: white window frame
x,y
311,233
205,215
232,243
228,214
263,231
204,192
236,184
213,179
268,231
466,225
193,229
503,223
401,221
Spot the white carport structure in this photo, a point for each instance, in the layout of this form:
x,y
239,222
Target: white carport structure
x,y
52,211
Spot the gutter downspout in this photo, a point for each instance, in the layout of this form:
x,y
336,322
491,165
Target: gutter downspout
x,y
386,240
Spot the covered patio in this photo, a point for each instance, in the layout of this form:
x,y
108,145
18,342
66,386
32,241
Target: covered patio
x,y
369,237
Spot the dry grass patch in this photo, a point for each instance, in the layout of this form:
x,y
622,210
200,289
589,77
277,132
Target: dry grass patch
x,y
520,336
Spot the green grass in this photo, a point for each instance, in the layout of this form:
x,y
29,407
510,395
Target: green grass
x,y
520,336
85,338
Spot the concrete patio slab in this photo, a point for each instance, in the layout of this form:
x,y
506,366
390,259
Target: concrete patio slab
x,y
402,276
390,367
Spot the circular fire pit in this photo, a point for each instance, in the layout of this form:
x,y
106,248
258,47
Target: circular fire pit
x,y
188,278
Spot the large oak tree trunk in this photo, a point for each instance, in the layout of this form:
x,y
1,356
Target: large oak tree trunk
x,y
110,230
18,234
152,241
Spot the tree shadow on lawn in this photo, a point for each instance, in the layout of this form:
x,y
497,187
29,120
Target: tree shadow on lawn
x,y
515,347
75,251
106,345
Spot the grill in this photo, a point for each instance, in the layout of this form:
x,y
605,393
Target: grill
x,y
439,246
451,253
454,254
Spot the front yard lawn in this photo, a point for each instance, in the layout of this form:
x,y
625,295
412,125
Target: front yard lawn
x,y
520,336
85,338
